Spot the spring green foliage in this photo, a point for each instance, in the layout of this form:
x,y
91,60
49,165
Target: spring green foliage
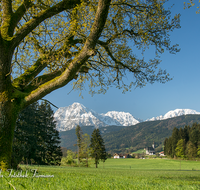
x,y
36,138
192,3
67,39
69,159
97,147
180,148
120,174
83,151
184,142
46,44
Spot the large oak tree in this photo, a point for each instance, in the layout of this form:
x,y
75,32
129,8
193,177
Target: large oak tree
x,y
45,44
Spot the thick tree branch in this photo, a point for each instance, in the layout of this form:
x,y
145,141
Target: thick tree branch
x,y
41,80
29,74
7,8
17,16
79,60
100,20
34,22
6,30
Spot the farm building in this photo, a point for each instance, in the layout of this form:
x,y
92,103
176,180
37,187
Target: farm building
x,y
161,153
122,155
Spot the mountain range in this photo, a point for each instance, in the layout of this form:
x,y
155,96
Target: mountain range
x,y
120,139
68,118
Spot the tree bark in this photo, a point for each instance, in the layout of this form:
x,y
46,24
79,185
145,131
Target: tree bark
x,y
7,126
8,106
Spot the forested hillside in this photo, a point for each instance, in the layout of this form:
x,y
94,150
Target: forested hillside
x,y
132,138
69,138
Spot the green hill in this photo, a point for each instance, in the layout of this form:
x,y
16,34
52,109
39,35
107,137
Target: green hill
x,y
132,138
68,138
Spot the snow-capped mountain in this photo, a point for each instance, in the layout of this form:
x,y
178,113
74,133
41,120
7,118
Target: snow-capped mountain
x,y
174,113
125,119
76,114
69,117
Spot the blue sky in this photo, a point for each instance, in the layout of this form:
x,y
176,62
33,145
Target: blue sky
x,y
156,99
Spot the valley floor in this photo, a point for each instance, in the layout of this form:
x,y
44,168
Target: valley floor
x,y
113,174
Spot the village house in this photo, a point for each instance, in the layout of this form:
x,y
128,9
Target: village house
x,y
122,155
161,153
150,150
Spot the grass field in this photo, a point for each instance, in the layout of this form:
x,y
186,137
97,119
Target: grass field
x,y
113,174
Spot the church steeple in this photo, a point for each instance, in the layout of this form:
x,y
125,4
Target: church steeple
x,y
153,145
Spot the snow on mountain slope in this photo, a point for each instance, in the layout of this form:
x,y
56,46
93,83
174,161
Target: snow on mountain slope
x,y
125,119
174,113
76,114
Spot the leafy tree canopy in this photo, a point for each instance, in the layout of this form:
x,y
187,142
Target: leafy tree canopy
x,y
70,37
44,45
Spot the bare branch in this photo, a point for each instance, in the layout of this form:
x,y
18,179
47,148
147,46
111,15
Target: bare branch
x,y
104,44
50,103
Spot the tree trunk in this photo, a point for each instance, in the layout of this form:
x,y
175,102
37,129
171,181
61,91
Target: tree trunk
x,y
7,126
8,106
96,161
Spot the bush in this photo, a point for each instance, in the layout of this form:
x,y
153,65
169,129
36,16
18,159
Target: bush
x,y
69,159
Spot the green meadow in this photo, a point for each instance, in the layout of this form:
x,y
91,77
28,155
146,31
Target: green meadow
x,y
113,174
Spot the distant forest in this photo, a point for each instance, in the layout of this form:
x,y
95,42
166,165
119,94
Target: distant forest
x,y
184,142
119,139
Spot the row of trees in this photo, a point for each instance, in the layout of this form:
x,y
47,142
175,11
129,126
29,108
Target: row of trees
x,y
184,142
87,147
36,139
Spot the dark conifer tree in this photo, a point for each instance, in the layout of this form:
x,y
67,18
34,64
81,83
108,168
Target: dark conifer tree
x,y
98,151
190,137
165,146
194,134
36,138
50,151
24,143
175,138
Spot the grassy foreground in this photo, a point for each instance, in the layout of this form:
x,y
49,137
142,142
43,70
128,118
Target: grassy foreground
x,y
114,174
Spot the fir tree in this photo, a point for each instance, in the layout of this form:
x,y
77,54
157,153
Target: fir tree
x,y
36,138
98,151
175,138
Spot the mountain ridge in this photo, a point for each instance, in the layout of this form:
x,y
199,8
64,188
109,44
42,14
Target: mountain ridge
x,y
69,117
119,139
